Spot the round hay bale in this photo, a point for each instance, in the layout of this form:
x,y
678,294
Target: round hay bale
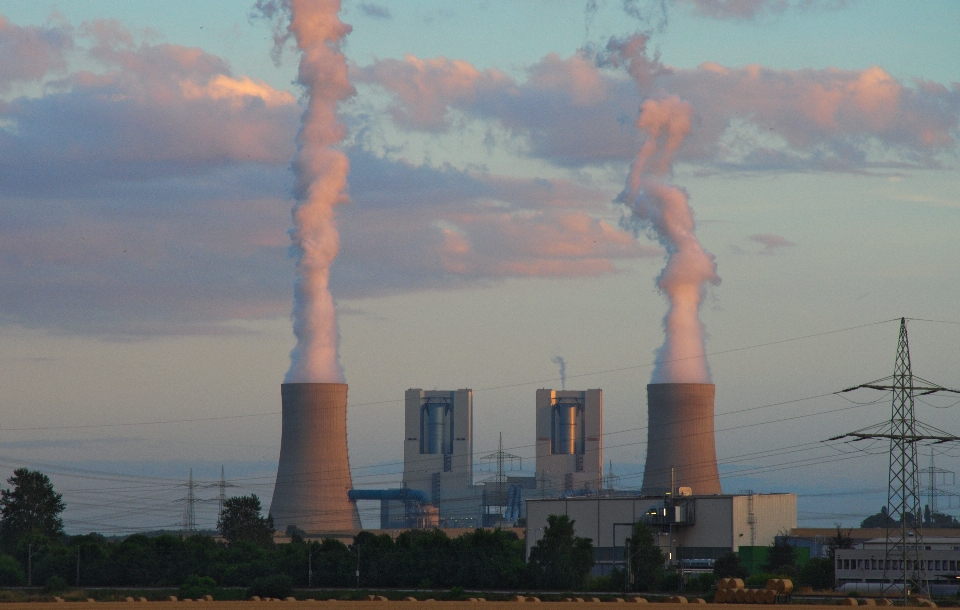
x,y
736,583
676,599
723,583
928,603
698,600
740,595
638,600
518,598
595,600
619,600
254,598
286,599
172,598
533,599
883,601
849,601
720,596
786,586
413,599
770,597
868,602
773,584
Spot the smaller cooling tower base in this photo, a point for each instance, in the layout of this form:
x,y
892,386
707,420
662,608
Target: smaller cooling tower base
x,y
313,477
680,436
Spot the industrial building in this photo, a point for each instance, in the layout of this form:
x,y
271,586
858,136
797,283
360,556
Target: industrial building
x,y
313,476
862,568
680,439
569,441
689,527
438,453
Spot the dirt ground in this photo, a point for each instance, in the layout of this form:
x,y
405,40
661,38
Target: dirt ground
x,y
345,605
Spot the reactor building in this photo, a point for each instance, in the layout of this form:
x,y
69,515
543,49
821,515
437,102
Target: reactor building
x,y
569,441
681,451
313,477
438,453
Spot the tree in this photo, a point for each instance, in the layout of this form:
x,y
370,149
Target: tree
x,y
30,507
781,557
817,573
840,541
560,559
646,558
880,520
729,566
240,520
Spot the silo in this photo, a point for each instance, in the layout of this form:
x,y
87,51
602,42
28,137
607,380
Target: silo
x,y
313,476
680,436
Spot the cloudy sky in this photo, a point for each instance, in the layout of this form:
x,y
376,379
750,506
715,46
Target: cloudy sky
x,y
145,196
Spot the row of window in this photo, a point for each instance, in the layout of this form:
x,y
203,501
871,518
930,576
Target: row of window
x,y
894,564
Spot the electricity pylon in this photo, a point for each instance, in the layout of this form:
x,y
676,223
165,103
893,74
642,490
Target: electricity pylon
x,y
903,556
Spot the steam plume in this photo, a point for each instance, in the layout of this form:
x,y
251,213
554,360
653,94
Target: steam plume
x,y
663,208
321,182
563,371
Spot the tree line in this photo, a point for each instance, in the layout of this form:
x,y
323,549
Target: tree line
x,y
34,550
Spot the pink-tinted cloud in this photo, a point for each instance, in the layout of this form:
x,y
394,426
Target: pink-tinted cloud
x,y
154,110
745,10
29,53
770,242
578,111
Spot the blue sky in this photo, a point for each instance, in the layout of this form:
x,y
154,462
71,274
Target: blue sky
x,y
144,210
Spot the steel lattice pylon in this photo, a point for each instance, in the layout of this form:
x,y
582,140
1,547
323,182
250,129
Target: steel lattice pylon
x,y
903,493
903,560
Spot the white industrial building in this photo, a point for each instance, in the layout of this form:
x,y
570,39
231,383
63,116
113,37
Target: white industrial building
x,y
438,453
569,441
862,568
689,527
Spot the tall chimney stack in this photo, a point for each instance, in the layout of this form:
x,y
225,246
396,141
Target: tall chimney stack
x,y
313,476
680,437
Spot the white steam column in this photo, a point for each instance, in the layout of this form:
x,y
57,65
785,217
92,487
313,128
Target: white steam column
x,y
313,477
680,436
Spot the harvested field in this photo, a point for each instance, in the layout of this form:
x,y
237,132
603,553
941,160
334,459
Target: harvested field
x,y
335,605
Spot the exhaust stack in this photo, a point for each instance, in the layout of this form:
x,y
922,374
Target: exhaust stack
x,y
680,438
313,476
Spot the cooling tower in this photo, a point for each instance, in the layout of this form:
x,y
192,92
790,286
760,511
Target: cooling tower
x,y
313,477
680,435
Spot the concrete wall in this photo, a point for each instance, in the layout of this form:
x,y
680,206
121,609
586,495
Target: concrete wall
x,y
557,473
451,489
313,476
717,522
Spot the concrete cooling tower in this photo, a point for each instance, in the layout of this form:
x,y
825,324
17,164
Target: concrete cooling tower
x,y
313,477
680,436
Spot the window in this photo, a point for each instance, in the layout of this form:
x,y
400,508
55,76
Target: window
x,y
936,564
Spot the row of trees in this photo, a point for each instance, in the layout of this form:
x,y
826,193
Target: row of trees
x,y
36,550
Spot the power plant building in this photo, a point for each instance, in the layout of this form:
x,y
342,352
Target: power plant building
x,y
313,476
569,441
438,453
681,451
686,528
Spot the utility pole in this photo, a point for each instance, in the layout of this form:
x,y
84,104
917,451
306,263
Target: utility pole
x,y
78,565
903,557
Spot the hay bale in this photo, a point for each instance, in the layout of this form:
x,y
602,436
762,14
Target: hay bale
x,y
736,583
698,600
787,586
595,600
849,601
172,598
518,598
58,599
255,598
771,597
90,599
773,584
676,599
413,599
129,599
740,595
868,602
927,603
533,599
381,598
206,598
883,601
286,599
723,583
619,600
579,600
567,599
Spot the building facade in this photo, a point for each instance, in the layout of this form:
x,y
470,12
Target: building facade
x,y
569,441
